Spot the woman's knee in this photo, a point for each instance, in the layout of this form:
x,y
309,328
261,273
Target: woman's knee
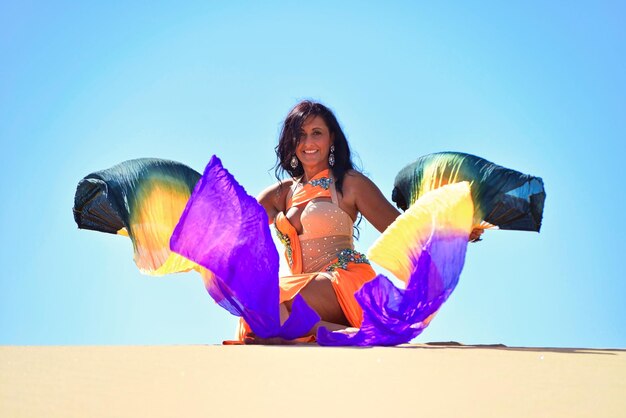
x,y
320,295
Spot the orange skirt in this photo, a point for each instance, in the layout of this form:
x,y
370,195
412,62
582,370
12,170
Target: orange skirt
x,y
345,283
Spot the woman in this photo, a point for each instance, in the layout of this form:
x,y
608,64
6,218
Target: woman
x,y
314,212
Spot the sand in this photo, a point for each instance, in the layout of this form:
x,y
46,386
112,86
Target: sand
x,y
407,381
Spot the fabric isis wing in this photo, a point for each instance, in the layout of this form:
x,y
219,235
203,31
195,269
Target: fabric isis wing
x,y
425,247
502,197
142,199
226,231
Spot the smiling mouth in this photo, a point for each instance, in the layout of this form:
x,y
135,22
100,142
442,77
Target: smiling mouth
x,y
310,151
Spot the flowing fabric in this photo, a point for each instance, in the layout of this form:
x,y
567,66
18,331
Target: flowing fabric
x,y
502,197
226,231
142,199
425,247
223,233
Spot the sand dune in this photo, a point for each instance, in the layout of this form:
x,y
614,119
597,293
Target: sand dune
x,y
211,381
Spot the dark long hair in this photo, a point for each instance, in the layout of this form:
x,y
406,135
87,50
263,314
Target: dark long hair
x,y
290,136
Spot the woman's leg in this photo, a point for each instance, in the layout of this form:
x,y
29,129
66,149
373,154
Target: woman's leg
x,y
321,297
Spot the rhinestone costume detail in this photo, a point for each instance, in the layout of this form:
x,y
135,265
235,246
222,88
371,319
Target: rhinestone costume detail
x,y
347,256
323,182
287,243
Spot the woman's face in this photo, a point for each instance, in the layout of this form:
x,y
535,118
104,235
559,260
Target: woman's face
x,y
314,143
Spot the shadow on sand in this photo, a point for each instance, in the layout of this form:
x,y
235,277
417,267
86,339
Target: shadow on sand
x,y
564,350
458,346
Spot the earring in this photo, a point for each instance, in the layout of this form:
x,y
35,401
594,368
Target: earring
x,y
331,157
294,162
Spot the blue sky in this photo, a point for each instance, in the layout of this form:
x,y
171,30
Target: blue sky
x,y
535,87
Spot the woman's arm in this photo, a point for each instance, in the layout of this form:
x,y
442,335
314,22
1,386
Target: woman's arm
x,y
369,200
273,199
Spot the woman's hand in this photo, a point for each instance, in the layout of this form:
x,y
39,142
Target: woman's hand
x,y
475,234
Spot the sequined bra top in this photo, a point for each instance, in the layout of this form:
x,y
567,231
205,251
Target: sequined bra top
x,y
326,228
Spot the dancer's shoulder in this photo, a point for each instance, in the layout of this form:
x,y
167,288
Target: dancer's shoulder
x,y
273,198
